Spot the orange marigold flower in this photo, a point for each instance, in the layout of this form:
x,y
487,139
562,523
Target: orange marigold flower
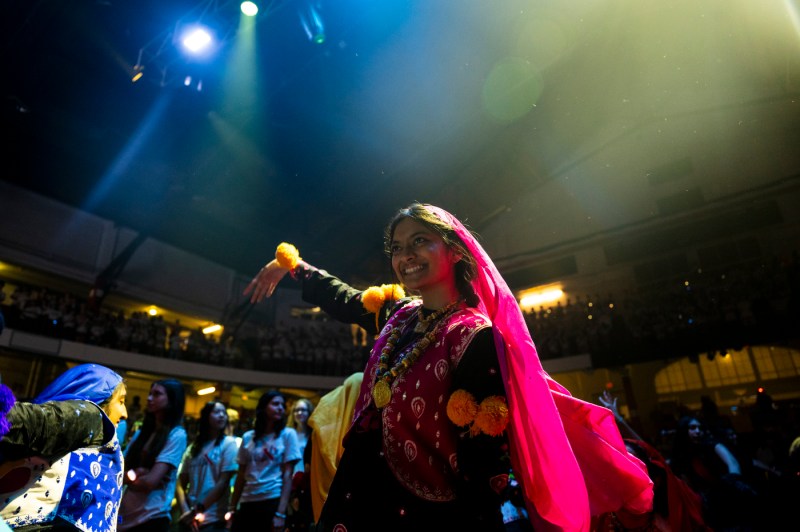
x,y
461,408
492,417
287,256
373,298
393,292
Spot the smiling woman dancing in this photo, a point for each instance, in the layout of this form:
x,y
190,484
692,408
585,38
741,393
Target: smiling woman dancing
x,y
457,425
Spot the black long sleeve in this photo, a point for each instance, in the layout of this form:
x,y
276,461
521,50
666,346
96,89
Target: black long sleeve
x,y
340,300
52,429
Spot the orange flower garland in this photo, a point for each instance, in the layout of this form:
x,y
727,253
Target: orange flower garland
x,y
287,256
374,297
490,417
462,408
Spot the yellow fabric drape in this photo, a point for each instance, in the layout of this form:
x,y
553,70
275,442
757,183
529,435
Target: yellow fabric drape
x,y
330,422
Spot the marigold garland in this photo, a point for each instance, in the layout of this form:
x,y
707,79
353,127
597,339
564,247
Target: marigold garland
x,y
490,417
462,408
287,256
393,292
374,297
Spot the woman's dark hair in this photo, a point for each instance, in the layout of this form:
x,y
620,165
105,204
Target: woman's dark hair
x,y
204,428
173,416
683,448
465,269
261,414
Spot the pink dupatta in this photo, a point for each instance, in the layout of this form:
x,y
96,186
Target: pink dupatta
x,y
567,453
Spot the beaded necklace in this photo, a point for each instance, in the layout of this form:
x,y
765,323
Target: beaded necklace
x,y
382,391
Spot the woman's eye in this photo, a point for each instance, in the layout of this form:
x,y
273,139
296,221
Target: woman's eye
x,y
419,241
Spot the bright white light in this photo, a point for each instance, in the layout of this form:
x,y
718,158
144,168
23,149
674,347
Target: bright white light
x,y
249,9
206,391
197,40
212,328
539,298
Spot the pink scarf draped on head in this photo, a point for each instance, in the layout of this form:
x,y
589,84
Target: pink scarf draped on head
x,y
567,453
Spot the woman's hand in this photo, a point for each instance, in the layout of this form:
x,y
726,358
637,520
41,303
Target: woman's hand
x,y
189,520
133,475
263,284
610,402
279,523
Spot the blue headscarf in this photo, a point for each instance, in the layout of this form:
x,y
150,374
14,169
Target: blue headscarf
x,y
88,382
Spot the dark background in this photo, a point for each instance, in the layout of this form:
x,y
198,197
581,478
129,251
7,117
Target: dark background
x,y
469,104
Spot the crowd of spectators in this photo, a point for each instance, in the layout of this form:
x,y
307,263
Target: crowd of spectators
x,y
705,312
303,346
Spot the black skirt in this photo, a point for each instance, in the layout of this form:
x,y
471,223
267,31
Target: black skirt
x,y
366,496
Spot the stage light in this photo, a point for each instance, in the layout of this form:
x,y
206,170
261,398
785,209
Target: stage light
x,y
249,9
212,328
540,296
196,40
313,25
206,391
138,72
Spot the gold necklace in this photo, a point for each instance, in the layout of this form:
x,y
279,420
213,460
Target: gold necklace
x,y
423,322
382,390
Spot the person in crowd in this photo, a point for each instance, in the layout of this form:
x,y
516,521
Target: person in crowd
x,y
329,423
231,429
711,470
301,410
266,459
152,459
60,460
299,514
452,386
675,505
122,432
204,479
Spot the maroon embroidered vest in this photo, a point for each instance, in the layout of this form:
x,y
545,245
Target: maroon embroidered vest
x,y
419,441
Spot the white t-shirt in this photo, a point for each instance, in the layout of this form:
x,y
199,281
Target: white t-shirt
x,y
205,469
302,441
138,507
261,461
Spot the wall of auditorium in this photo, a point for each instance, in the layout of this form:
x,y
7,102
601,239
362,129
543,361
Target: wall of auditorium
x,y
46,235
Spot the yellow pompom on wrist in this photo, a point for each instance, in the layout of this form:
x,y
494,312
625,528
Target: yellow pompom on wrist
x,y
393,292
287,256
374,297
462,408
492,416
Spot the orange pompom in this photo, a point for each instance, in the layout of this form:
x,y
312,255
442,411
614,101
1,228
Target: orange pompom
x,y
492,417
287,256
373,298
393,292
461,408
